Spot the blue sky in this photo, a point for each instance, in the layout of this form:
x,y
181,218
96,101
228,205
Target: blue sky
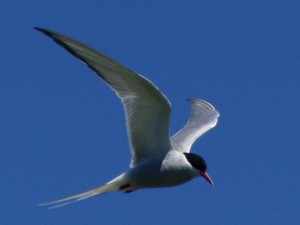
x,y
63,131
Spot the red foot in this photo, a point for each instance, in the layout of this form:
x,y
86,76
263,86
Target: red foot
x,y
124,186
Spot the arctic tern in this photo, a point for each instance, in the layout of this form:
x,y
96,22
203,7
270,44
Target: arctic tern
x,y
158,160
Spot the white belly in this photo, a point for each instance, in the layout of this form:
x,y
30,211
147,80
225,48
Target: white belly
x,y
158,173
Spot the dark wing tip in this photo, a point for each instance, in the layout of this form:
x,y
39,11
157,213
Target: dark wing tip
x,y
49,33
38,28
43,30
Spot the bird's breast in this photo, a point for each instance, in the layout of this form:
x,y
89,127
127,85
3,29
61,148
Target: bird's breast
x,y
166,172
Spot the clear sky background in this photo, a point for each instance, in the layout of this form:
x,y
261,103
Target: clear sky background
x,y
62,130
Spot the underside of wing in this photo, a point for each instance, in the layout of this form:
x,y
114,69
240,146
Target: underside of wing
x,y
203,117
147,109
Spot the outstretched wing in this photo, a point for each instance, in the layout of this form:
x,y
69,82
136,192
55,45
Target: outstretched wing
x,y
147,110
203,117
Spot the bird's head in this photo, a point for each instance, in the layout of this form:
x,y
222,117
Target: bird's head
x,y
199,164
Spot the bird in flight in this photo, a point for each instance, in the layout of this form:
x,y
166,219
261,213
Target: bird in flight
x,y
158,160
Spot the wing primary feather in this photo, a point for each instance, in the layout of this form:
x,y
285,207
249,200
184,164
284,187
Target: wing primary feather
x,y
202,118
147,110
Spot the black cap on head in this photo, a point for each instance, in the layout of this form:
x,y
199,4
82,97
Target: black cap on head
x,y
196,161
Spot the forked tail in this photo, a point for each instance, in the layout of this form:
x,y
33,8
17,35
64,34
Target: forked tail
x,y
113,185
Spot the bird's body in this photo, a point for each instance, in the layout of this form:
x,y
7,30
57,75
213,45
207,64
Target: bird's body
x,y
158,160
171,170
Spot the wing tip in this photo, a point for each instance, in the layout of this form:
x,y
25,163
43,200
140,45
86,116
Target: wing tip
x,y
43,30
195,101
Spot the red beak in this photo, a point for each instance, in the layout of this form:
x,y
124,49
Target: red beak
x,y
206,177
